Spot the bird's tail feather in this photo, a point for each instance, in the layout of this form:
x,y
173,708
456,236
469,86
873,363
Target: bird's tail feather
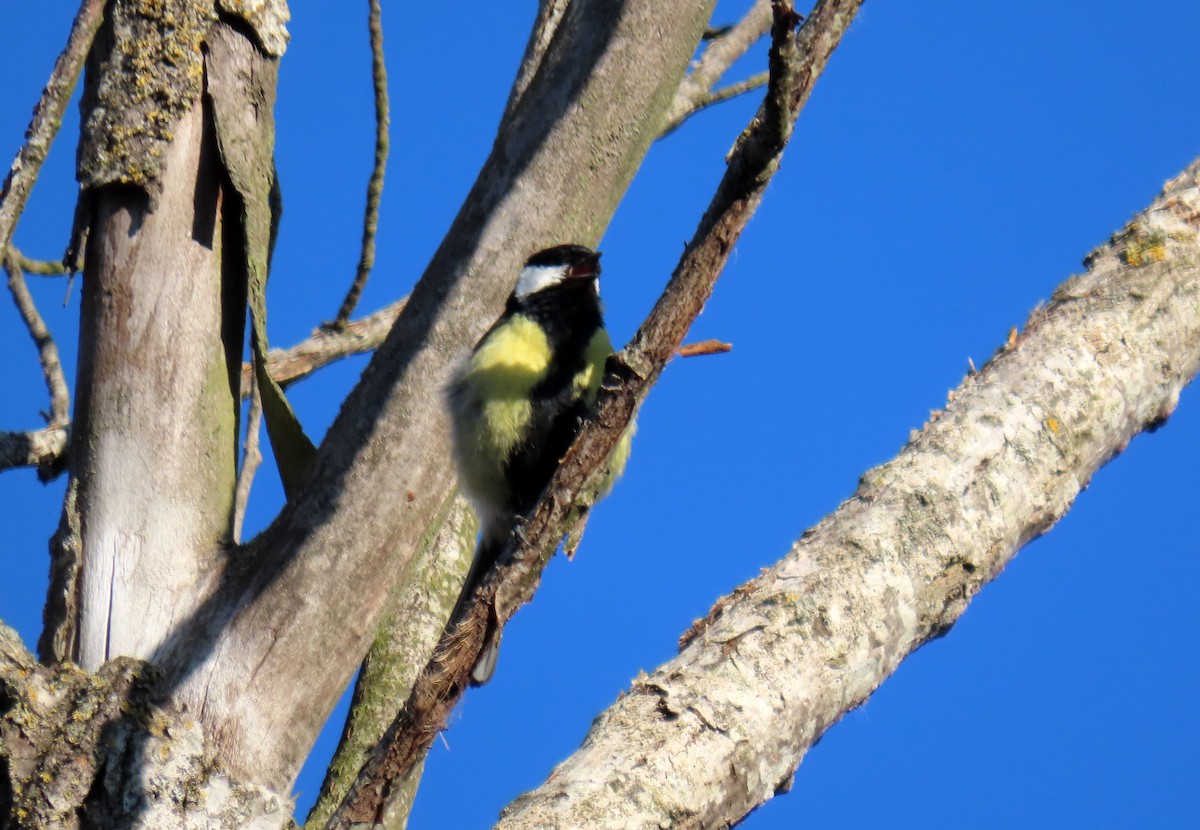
x,y
487,554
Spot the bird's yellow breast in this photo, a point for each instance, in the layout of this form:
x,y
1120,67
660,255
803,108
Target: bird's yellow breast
x,y
503,372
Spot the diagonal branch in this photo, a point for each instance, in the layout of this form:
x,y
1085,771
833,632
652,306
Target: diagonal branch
x,y
366,260
47,117
796,62
721,728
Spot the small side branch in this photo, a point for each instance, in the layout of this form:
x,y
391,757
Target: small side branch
x,y
37,267
41,448
47,118
366,259
327,345
56,381
696,90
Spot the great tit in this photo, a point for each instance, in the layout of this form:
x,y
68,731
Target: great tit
x,y
516,404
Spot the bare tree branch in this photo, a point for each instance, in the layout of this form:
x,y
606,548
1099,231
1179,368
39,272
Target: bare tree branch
x,y
47,117
366,260
327,345
718,96
704,347
796,62
722,727
37,267
402,647
56,381
695,91
41,448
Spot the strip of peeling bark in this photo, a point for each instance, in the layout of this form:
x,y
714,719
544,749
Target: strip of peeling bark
x,y
382,471
722,727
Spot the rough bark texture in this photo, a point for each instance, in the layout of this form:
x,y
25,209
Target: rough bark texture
x,y
80,750
381,474
721,728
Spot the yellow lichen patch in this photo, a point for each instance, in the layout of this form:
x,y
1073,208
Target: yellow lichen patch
x,y
1141,247
1052,425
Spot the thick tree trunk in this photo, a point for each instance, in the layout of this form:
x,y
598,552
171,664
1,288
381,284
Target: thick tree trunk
x,y
155,438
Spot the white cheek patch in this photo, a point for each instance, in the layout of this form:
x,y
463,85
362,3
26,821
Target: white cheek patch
x,y
536,277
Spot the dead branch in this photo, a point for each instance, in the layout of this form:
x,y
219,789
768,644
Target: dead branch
x,y
56,381
47,117
721,728
703,347
326,346
366,259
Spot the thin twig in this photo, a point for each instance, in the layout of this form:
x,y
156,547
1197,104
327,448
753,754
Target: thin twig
x,y
327,345
796,63
37,267
47,117
695,91
719,96
251,456
56,381
375,187
704,347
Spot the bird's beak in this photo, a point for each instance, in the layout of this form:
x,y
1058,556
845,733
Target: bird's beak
x,y
587,269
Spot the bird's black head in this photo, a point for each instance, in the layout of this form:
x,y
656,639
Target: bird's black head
x,y
556,266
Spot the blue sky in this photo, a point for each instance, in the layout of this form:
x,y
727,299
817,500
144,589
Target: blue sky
x,y
955,163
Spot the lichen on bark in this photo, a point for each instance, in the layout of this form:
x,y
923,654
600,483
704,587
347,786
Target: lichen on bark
x,y
87,751
128,126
